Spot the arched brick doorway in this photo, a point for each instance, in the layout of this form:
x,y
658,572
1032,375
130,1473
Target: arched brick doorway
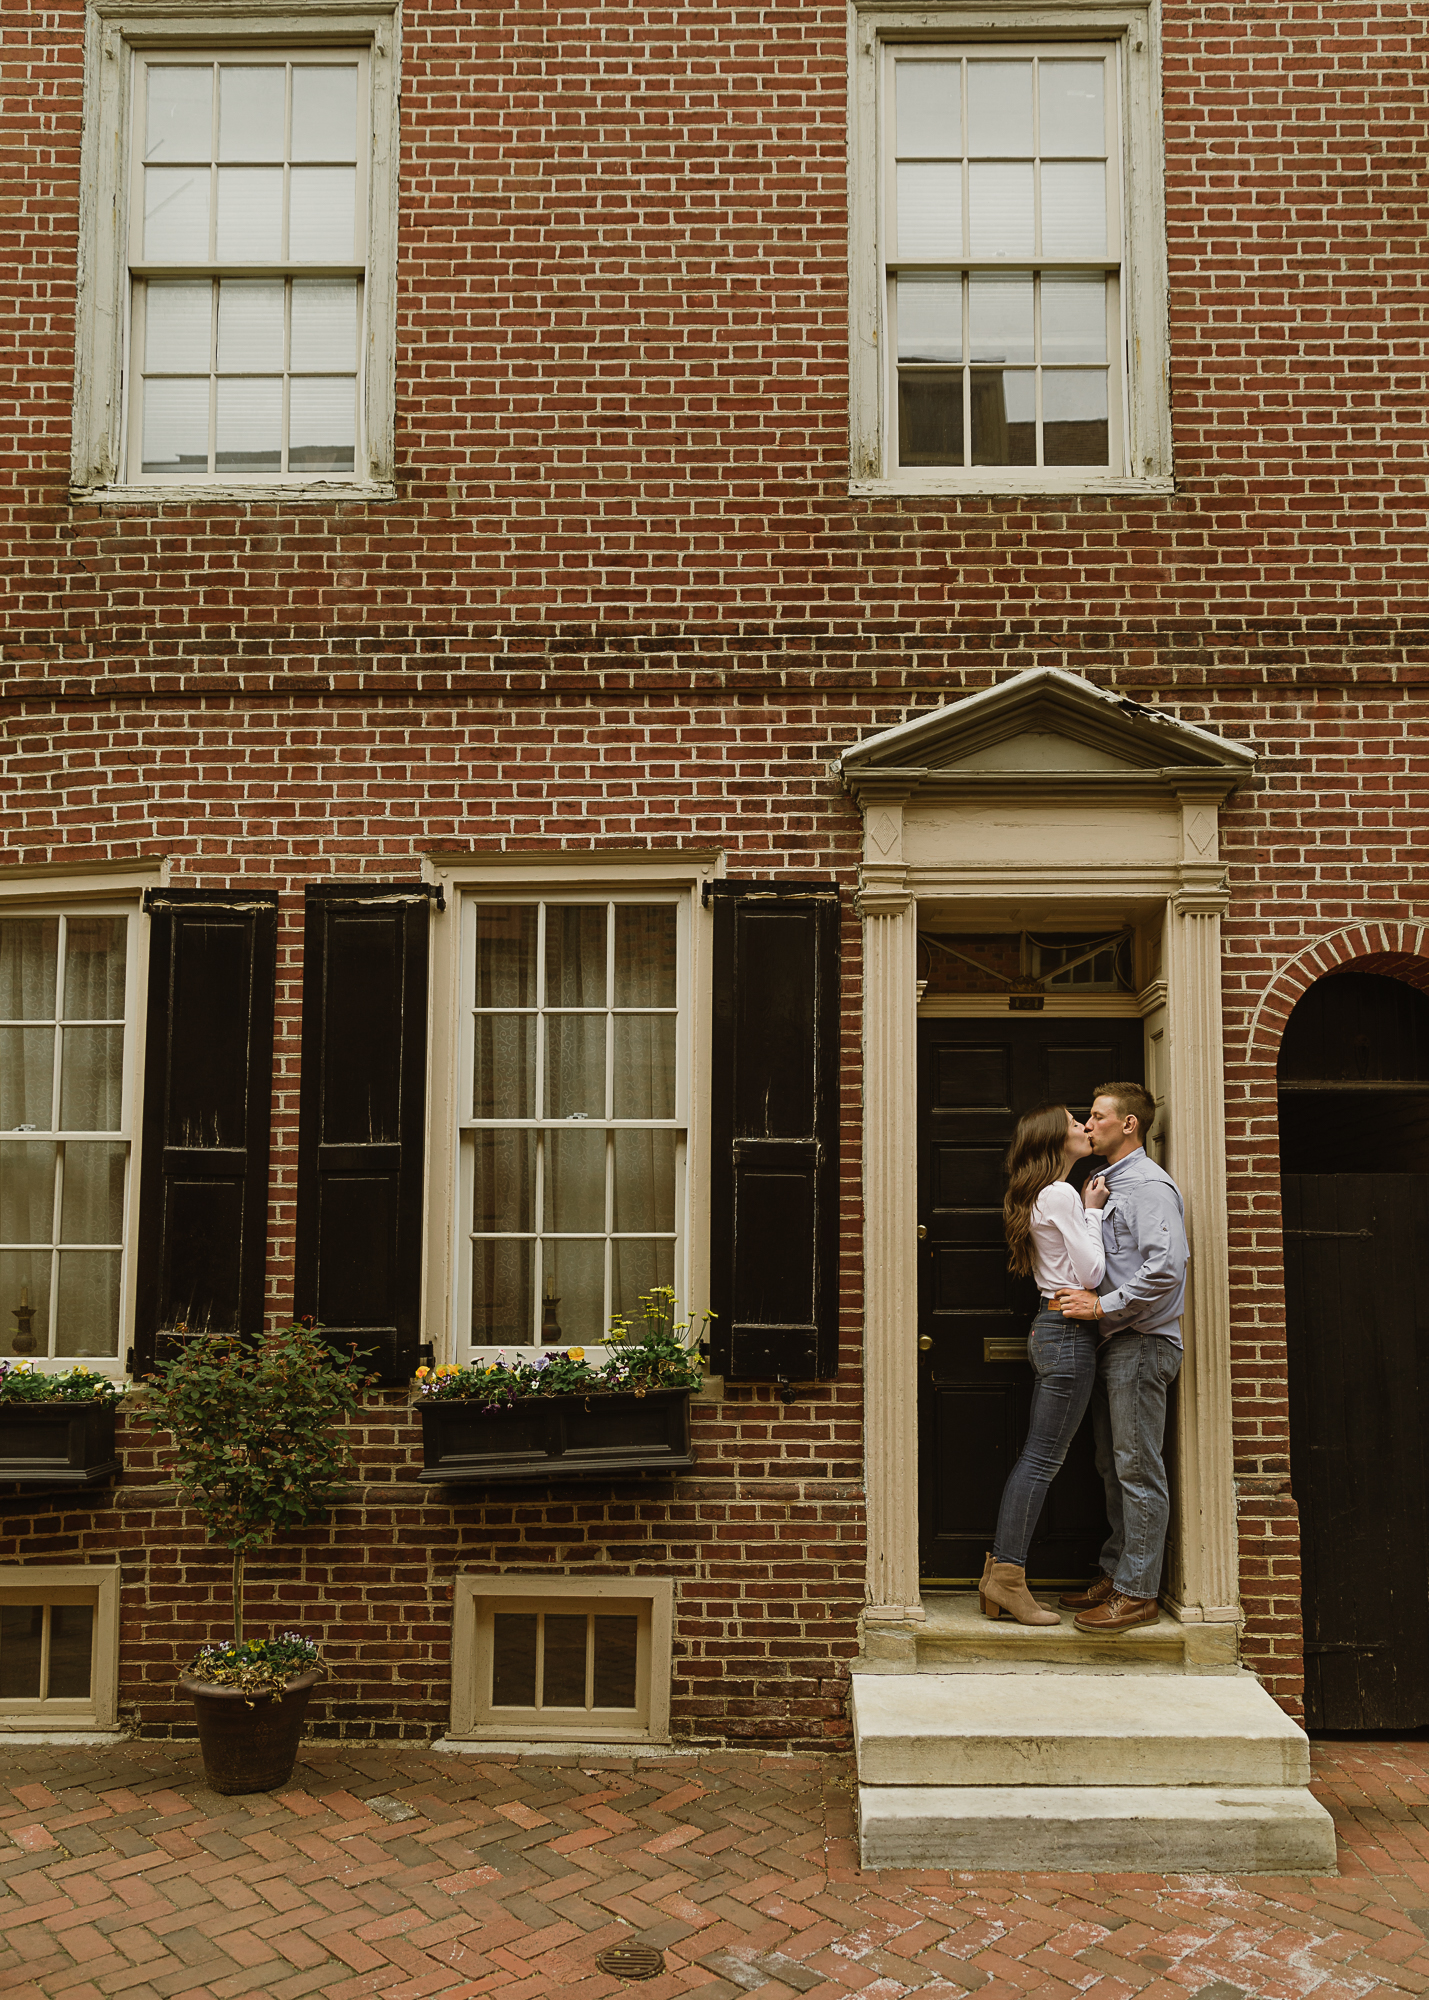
x,y
1353,1077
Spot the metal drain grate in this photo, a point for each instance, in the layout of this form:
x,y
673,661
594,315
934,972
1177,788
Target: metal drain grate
x,y
631,1961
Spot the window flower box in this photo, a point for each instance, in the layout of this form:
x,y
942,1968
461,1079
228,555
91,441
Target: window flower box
x,y
601,1435
57,1444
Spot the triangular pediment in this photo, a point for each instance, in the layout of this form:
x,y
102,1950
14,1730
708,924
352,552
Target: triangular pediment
x,y
1040,725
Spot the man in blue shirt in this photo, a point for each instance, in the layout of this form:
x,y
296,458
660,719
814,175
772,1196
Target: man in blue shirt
x,y
1137,1307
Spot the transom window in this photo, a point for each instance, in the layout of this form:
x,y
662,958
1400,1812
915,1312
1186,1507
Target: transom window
x,y
574,1123
64,1131
1004,257
248,254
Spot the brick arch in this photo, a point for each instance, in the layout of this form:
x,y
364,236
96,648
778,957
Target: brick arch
x,y
1400,950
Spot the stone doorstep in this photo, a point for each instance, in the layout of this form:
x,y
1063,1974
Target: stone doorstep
x,y
1154,1829
956,1638
1044,1729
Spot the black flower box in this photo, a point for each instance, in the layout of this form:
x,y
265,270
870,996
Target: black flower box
x,y
57,1444
556,1437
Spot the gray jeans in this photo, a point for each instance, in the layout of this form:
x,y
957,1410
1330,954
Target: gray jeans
x,y
1063,1353
1134,1372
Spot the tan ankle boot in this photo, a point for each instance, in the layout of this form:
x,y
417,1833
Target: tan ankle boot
x,y
982,1584
1004,1588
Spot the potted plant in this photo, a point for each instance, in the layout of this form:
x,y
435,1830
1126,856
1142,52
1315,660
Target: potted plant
x,y
260,1433
56,1428
558,1416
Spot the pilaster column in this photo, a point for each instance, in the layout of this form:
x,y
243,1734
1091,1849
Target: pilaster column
x,y
1209,1582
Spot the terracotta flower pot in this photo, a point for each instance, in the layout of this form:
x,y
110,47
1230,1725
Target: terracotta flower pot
x,y
250,1744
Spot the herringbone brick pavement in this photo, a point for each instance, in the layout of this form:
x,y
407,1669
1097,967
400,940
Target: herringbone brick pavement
x,y
412,1873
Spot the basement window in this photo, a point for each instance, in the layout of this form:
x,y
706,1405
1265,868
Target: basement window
x,y
58,1647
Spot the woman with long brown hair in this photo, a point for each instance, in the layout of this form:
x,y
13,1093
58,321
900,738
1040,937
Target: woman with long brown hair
x,y
1054,1234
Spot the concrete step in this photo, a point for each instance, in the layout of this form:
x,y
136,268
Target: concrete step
x,y
956,1638
1155,1829
1045,1729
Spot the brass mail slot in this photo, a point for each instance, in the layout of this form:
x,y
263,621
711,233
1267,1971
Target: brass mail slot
x,y
1004,1350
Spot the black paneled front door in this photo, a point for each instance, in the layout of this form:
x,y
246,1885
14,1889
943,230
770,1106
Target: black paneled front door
x,y
975,1079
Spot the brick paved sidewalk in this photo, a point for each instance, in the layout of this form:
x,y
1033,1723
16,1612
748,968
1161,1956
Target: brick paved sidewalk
x,y
414,1873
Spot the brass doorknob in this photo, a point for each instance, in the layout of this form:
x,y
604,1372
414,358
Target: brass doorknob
x,y
922,1232
925,1341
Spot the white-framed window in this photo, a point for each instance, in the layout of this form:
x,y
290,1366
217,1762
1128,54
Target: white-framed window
x,y
59,1646
1009,252
547,1658
238,328
70,981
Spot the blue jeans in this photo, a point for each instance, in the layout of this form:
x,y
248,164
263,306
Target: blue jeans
x,y
1064,1354
1134,1372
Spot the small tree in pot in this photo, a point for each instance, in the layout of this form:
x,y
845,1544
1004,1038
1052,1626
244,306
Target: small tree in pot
x,y
261,1442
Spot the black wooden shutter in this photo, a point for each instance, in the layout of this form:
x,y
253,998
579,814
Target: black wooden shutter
x,y
362,1119
774,1220
208,1086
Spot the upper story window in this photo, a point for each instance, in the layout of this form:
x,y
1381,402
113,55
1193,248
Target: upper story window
x,y
1012,331
237,332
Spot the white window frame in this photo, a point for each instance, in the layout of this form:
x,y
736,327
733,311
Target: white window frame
x,y
593,878
119,32
69,1583
1133,33
63,892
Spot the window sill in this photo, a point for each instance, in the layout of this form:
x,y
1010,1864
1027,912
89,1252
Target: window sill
x,y
329,493
1012,488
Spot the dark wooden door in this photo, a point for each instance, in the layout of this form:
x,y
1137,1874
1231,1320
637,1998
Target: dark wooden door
x,y
975,1079
1357,1329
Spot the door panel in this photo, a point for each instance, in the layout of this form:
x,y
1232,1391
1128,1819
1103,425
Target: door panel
x,y
975,1079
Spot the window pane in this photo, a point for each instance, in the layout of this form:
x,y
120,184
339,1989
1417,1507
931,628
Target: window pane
x,y
22,1628
616,1640
506,955
324,111
177,329
574,1279
1073,318
324,323
1000,109
71,1649
94,968
1004,417
1000,211
504,1181
1075,430
250,425
575,1065
322,424
930,211
250,112
25,1277
929,101
564,1679
179,121
27,1074
29,967
504,1066
1000,316
250,326
87,1321
1073,113
645,971
176,426
513,1676
250,215
27,1198
637,1268
575,1180
176,214
501,1293
1074,211
575,955
91,1079
93,1206
644,1066
644,1196
930,418
930,319
322,214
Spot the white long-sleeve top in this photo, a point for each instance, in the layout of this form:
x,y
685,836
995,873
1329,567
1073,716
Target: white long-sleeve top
x,y
1066,1240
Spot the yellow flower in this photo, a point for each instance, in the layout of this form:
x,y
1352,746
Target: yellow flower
x,y
576,1353
423,1373
492,1369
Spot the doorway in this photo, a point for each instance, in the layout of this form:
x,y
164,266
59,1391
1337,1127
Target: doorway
x,y
1354,1160
975,1079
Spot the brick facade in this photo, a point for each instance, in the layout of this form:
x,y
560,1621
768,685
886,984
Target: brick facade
x,y
623,600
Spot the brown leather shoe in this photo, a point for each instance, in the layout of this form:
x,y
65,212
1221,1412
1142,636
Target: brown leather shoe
x,y
1118,1614
1095,1593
